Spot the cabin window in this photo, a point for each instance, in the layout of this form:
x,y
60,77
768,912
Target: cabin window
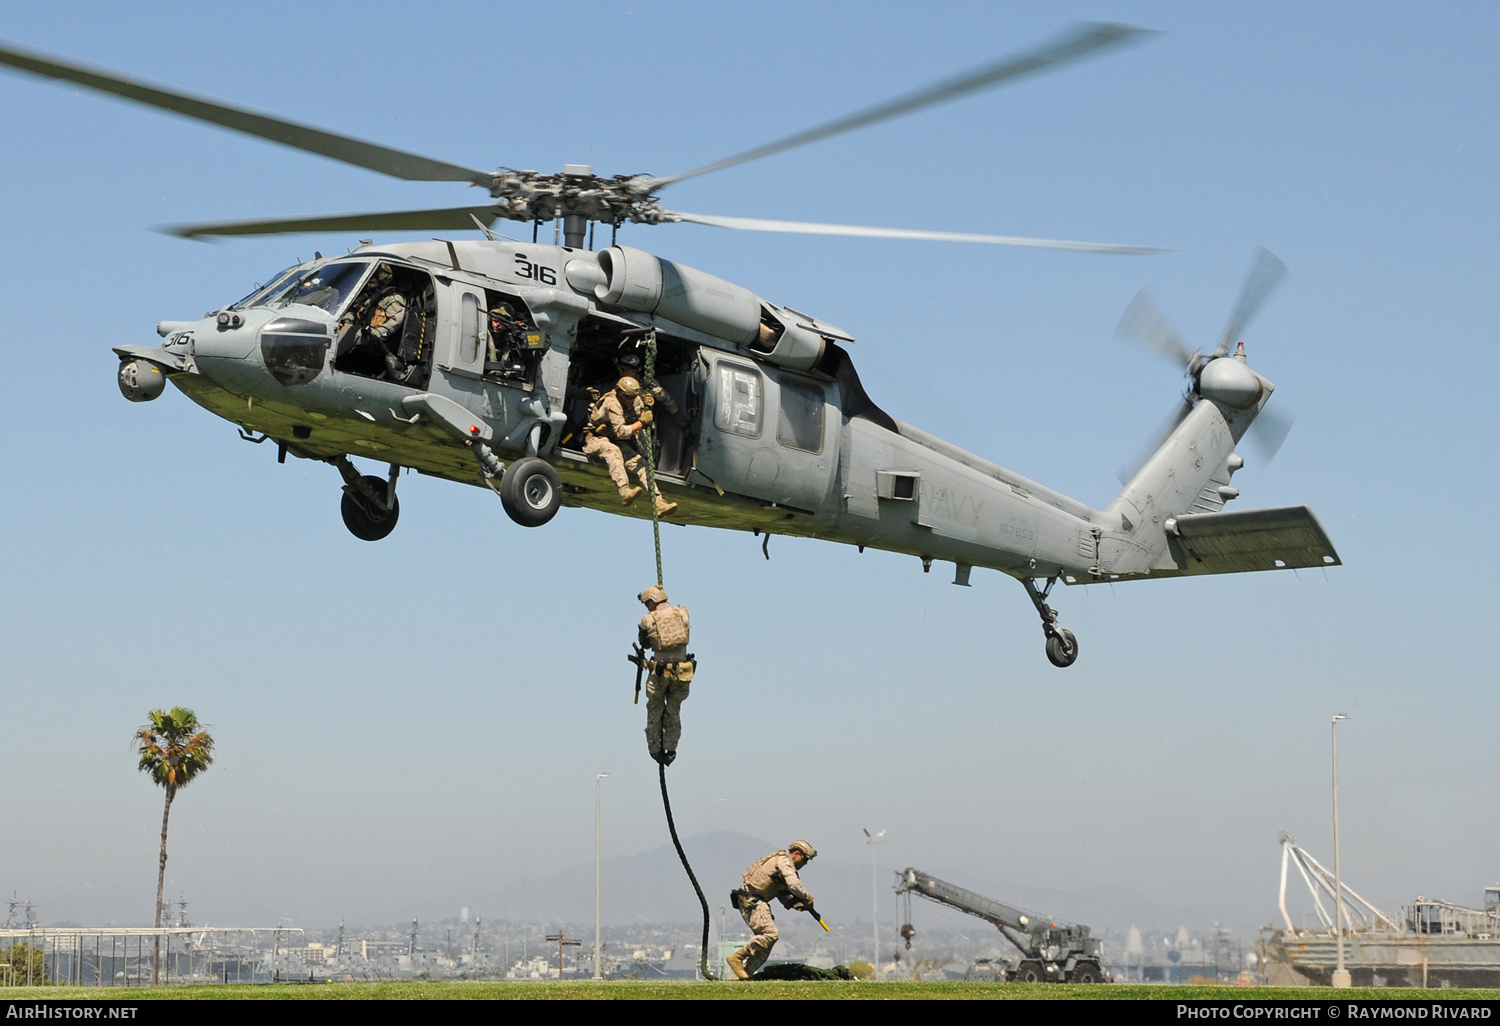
x,y
800,425
740,400
468,338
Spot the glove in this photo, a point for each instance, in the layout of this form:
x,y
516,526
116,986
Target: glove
x,y
646,417
649,399
682,421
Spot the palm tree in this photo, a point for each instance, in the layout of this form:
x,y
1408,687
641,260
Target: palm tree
x,y
174,750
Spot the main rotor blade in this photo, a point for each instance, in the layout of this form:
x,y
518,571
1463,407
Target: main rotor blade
x,y
1265,274
755,224
387,161
1082,41
1144,322
389,221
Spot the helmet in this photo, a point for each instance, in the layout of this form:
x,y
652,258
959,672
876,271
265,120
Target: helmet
x,y
629,386
808,851
501,312
655,593
628,361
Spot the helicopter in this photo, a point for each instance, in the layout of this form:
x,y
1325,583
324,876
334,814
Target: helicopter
x,y
488,375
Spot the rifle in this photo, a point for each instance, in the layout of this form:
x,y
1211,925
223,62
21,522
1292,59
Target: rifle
x,y
814,913
639,658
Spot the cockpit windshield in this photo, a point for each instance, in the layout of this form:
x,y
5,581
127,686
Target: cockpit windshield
x,y
327,287
263,292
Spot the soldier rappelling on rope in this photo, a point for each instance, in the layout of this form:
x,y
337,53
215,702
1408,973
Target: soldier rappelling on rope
x,y
664,630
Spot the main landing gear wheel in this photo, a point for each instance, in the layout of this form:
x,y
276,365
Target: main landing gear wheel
x,y
531,491
1062,648
367,520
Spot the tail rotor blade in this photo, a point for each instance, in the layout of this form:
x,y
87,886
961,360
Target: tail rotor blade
x,y
1265,274
1144,322
1128,470
1269,431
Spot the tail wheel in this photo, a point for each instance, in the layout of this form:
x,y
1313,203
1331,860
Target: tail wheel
x,y
531,491
365,520
1062,648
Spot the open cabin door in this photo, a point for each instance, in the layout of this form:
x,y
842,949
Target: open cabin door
x,y
461,345
768,435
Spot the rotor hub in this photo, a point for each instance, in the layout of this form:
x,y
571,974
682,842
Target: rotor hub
x,y
577,192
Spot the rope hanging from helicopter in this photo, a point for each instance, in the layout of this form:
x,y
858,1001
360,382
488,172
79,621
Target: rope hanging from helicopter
x,y
649,451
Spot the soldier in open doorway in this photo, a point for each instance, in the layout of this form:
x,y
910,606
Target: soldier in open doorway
x,y
629,363
615,421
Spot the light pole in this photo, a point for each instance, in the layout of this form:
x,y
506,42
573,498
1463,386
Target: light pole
x,y
872,840
1341,976
598,779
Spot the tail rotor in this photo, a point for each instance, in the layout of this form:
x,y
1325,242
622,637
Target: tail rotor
x,y
1144,323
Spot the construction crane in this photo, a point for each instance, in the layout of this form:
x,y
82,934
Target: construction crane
x,y
1051,951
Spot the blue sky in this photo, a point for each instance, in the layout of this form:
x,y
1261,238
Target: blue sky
x,y
402,724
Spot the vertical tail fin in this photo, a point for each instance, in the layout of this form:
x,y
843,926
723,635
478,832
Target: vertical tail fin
x,y
1189,473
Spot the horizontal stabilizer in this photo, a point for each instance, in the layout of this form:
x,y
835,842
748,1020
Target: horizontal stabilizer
x,y
1280,538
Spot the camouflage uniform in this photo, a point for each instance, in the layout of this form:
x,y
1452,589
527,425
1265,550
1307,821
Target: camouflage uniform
x,y
664,629
613,423
376,331
388,317
774,876
630,364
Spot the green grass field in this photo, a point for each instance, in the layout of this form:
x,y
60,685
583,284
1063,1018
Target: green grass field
x,y
653,991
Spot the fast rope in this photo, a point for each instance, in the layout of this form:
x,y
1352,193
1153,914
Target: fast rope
x,y
661,767
666,803
651,459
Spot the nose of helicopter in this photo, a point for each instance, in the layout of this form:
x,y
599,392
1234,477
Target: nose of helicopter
x,y
223,337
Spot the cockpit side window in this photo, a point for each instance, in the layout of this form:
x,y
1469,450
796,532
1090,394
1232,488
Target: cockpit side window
x,y
328,287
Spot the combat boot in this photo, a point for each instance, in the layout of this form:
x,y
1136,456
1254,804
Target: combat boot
x,y
736,963
664,508
629,495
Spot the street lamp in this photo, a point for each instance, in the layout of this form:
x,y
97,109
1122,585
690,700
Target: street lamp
x,y
598,778
872,840
1341,976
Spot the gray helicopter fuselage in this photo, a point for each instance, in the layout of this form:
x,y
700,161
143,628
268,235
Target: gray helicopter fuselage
x,y
779,435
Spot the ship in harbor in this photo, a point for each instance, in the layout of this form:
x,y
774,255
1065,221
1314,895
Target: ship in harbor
x,y
1432,944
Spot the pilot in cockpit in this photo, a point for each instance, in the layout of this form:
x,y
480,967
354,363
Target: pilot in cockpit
x,y
371,330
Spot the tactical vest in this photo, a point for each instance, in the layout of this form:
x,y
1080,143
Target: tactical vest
x,y
668,628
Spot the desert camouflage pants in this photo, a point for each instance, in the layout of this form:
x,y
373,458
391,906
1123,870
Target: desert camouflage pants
x,y
758,917
620,468
664,698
